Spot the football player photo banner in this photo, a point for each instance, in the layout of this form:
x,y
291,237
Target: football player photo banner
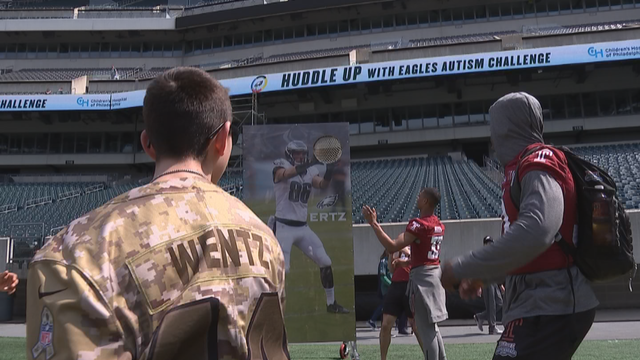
x,y
297,180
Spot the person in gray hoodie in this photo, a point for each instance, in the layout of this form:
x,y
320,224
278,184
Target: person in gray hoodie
x,y
549,306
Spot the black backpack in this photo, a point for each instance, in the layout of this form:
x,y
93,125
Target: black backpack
x,y
605,246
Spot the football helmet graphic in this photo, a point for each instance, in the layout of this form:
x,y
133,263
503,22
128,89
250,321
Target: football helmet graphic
x,y
296,146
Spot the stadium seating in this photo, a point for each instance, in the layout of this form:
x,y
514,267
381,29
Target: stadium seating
x,y
64,74
137,73
390,185
572,29
622,162
151,73
449,40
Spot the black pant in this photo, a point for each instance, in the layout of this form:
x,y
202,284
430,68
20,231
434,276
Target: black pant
x,y
548,337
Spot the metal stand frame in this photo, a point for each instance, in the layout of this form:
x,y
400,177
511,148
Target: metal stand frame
x,y
354,350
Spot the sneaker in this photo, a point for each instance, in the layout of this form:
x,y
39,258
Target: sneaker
x,y
494,331
371,324
336,308
479,323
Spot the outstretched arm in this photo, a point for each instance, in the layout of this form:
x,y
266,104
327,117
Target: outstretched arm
x,y
403,240
539,219
280,173
323,182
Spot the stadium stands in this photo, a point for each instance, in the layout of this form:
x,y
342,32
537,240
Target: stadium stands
x,y
391,185
138,73
458,39
65,74
583,28
622,162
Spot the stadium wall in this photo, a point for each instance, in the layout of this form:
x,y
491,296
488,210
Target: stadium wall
x,y
461,236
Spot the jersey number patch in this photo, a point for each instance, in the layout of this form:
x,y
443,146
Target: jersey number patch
x,y
299,192
266,334
434,253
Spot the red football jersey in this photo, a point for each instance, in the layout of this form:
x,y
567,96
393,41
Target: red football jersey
x,y
401,273
554,163
429,231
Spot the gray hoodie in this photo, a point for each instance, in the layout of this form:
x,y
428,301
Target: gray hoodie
x,y
516,122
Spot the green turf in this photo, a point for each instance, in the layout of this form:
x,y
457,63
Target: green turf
x,y
589,350
306,316
15,349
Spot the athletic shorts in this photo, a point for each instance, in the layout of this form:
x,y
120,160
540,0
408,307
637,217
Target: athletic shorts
x,y
550,337
396,301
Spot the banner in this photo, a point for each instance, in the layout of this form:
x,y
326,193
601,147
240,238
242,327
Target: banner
x,y
341,75
310,213
450,65
127,99
55,102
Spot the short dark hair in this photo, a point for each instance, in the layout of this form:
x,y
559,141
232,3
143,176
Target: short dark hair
x,y
433,194
487,240
182,108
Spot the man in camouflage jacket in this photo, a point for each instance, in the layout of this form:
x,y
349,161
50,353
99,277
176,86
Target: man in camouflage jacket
x,y
176,269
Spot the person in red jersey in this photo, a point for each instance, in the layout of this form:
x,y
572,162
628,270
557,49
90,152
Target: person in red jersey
x,y
424,235
396,300
549,305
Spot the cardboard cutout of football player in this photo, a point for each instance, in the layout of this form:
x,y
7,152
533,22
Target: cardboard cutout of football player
x,y
294,178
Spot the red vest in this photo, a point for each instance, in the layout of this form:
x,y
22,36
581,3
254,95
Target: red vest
x,y
554,163
429,231
401,273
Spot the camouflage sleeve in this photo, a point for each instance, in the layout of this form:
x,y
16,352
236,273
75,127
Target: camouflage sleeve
x,y
67,317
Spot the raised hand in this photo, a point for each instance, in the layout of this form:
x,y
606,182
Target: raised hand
x,y
369,214
8,282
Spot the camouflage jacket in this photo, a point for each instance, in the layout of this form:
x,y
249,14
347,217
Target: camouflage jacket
x,y
173,269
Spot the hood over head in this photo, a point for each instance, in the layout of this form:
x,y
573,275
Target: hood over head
x,y
516,122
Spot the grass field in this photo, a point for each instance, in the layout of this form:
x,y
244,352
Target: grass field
x,y
306,316
15,349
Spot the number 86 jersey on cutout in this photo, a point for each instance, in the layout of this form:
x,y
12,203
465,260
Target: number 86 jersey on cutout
x,y
292,195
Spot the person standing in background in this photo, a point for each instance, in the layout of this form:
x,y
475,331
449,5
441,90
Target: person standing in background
x,y
492,296
384,281
396,301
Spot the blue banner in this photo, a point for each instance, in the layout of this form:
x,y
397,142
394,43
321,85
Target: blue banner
x,y
391,70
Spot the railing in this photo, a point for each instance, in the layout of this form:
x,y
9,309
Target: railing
x,y
39,201
56,230
493,170
69,194
26,239
489,162
93,188
8,208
